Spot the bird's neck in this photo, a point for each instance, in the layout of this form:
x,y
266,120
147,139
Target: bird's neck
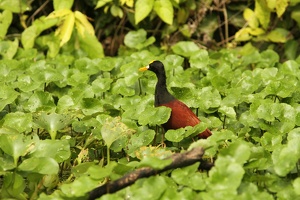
x,y
162,95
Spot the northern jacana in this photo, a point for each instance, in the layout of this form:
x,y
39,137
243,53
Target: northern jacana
x,y
181,114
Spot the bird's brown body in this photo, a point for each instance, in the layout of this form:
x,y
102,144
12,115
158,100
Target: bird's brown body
x,y
181,115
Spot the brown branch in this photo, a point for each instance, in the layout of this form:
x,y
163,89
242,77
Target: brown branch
x,y
178,160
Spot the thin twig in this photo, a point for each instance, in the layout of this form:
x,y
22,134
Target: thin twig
x,y
178,160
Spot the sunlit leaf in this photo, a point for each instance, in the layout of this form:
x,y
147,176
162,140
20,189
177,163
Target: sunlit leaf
x,y
91,45
226,175
286,156
262,13
82,24
188,176
59,5
142,9
138,39
154,162
251,18
239,151
15,6
154,115
20,121
8,49
279,35
185,49
164,10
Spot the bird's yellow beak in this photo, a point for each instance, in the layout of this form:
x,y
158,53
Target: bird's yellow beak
x,y
142,69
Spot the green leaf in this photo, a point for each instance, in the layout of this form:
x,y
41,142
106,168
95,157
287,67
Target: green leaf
x,y
286,156
228,111
142,9
199,59
296,16
296,184
226,175
138,140
175,135
8,49
29,34
281,7
154,115
5,21
239,151
188,176
138,39
13,186
120,87
144,188
16,6
154,162
52,122
262,13
19,121
179,134
279,35
91,106
78,188
27,84
270,141
40,165
98,172
57,149
59,5
164,10
211,101
113,129
291,48
185,49
250,17
15,145
102,3
40,101
91,45
7,96
116,11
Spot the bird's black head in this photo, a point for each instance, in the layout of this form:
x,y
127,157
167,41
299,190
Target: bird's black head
x,y
156,66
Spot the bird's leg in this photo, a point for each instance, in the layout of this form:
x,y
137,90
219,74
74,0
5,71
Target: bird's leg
x,y
163,144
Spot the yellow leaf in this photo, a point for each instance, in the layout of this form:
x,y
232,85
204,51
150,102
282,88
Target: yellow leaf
x,y
257,31
262,12
281,7
243,35
129,3
66,28
59,13
250,17
83,23
102,3
272,4
279,35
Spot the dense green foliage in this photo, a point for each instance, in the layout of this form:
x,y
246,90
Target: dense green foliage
x,y
72,119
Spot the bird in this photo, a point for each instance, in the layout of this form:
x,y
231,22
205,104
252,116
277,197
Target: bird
x,y
181,115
